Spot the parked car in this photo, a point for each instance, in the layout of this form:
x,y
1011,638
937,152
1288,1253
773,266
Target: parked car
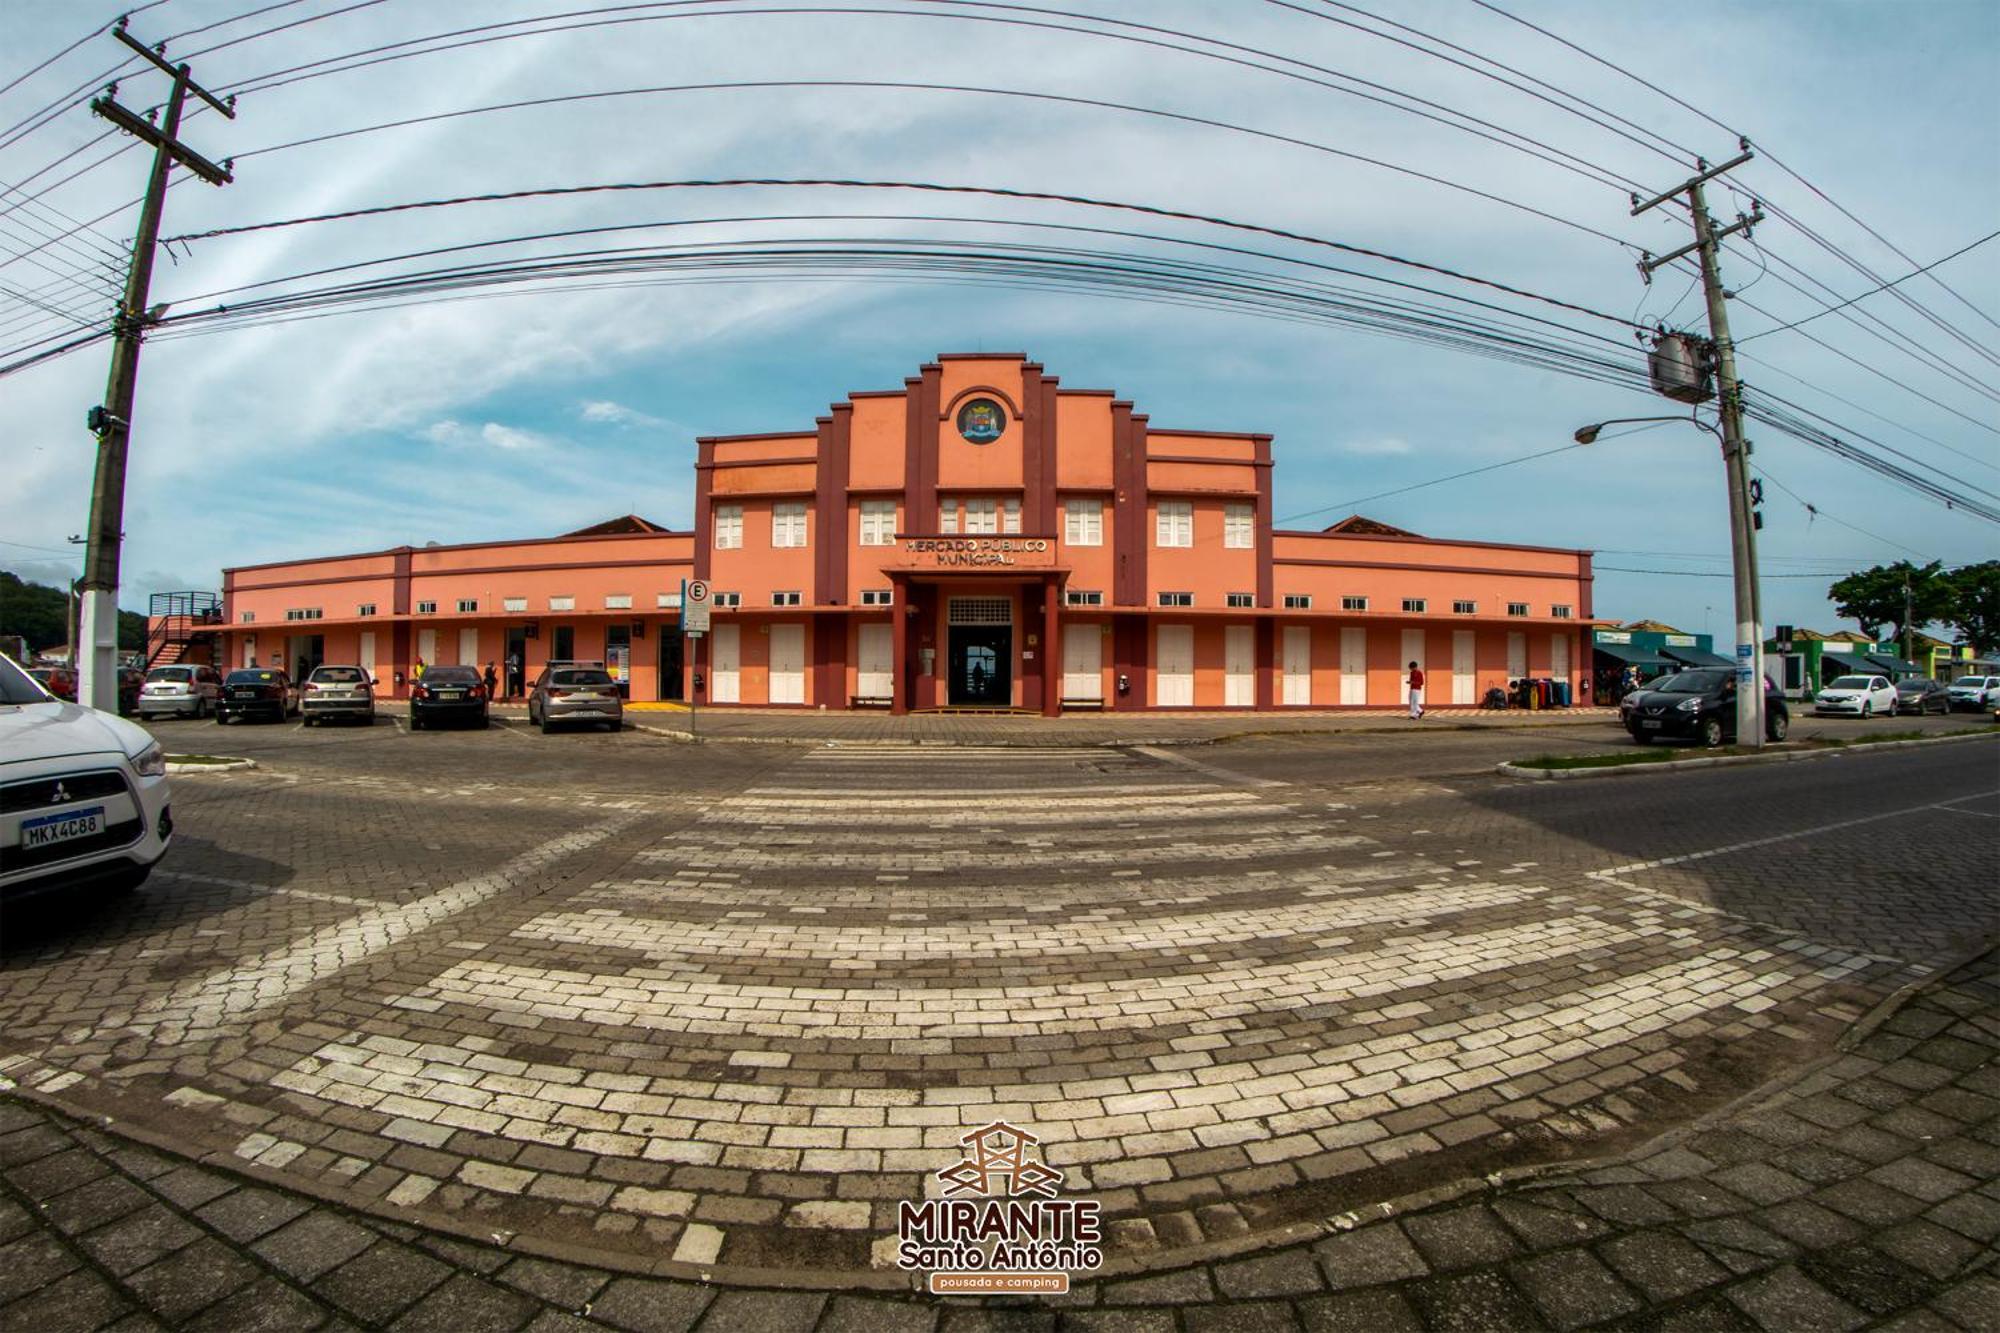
x,y
575,692
1698,705
83,795
1920,695
1856,696
448,694
337,691
131,680
257,692
188,689
57,680
1975,692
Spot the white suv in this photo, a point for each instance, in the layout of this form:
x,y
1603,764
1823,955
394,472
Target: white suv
x,y
83,795
1975,692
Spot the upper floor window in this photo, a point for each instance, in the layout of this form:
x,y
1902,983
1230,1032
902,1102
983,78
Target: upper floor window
x,y
304,613
1517,608
784,599
246,617
728,527
513,603
731,599
1354,603
982,515
427,608
947,516
365,609
468,604
1240,599
1083,521
617,601
1465,608
1010,514
1239,526
1176,599
788,523
877,596
1174,523
878,522
1415,605
1083,597
1298,601
1559,612
564,603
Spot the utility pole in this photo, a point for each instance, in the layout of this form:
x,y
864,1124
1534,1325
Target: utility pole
x,y
1735,449
1909,610
97,683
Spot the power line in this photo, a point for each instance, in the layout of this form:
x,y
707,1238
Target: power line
x,y
1871,291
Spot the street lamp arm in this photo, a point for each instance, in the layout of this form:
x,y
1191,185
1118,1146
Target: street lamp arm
x,y
1589,434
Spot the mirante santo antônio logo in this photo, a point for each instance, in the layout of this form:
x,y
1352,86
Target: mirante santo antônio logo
x,y
999,1225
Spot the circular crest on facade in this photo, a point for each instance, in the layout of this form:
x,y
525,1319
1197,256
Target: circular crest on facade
x,y
982,421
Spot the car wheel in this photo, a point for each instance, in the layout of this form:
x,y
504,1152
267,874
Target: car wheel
x,y
545,726
1777,727
1711,733
1868,708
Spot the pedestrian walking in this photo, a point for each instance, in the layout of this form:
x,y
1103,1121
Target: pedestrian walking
x,y
492,679
514,681
1416,691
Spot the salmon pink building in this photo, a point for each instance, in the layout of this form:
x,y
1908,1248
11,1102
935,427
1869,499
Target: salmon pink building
x,y
981,537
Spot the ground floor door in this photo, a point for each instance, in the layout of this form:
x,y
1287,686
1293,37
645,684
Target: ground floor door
x,y
1083,663
1517,655
1353,667
981,666
1413,651
725,675
468,647
1239,667
564,649
788,664
427,647
670,662
367,662
875,662
515,664
304,652
1463,678
1173,667
1298,664
1559,656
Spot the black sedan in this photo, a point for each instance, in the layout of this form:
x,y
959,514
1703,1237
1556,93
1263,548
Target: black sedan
x,y
1697,705
257,692
1921,694
448,694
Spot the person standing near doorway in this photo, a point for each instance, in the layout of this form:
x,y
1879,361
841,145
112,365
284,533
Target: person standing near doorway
x,y
1416,691
514,681
492,680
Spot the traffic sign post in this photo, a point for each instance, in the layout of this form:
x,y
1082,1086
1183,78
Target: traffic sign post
x,y
694,624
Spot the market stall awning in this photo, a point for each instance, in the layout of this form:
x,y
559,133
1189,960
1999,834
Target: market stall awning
x,y
1847,666
1695,657
1895,665
1639,657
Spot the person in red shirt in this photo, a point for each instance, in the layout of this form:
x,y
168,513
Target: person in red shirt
x,y
1416,691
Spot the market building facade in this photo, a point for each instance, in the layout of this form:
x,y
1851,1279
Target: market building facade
x,y
981,537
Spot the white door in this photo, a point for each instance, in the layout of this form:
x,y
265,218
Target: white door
x,y
1174,667
249,650
1413,651
875,669
427,646
788,664
725,665
1463,679
1083,662
1559,656
468,647
1517,655
1353,666
367,662
1298,665
1239,667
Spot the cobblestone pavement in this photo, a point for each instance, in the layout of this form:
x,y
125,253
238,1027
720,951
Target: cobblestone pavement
x,y
1862,1195
723,1009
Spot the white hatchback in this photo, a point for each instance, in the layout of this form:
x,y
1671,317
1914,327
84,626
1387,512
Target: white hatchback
x,y
83,795
1975,692
1856,696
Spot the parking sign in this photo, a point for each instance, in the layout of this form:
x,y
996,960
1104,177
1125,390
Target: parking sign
x,y
694,606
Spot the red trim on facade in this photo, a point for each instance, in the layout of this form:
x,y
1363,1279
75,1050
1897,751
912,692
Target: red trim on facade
x,y
1587,594
1014,409
1035,481
451,546
1206,460
399,597
800,460
1265,480
1426,541
455,570
759,435
1214,434
1315,562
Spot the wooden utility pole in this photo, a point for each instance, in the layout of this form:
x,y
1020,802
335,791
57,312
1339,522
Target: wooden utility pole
x,y
97,653
1735,449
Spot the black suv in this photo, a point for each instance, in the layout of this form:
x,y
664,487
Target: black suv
x,y
1697,705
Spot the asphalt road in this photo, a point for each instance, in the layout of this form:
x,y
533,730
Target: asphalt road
x,y
728,1004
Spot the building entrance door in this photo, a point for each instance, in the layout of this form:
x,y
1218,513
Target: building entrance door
x,y
670,662
982,665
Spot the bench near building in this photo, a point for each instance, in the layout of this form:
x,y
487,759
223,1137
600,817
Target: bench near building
x,y
981,537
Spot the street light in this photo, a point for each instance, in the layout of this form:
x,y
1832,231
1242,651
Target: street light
x,y
1750,695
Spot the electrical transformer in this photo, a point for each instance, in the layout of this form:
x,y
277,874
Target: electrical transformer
x,y
1680,368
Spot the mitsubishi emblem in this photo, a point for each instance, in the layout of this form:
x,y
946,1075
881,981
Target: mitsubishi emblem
x,y
59,795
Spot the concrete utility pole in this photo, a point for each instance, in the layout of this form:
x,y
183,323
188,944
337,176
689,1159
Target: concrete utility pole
x,y
1909,610
97,651
1735,449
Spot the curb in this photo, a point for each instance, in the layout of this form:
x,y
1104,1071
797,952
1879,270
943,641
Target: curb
x,y
1513,770
226,766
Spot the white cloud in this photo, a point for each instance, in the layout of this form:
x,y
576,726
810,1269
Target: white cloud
x,y
1380,444
509,438
447,432
604,411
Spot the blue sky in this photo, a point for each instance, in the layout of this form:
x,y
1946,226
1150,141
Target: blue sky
x,y
531,414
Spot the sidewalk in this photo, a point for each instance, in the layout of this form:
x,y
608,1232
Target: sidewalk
x,y
1148,728
1863,1194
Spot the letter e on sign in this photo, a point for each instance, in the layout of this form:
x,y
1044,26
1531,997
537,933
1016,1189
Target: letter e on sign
x,y
694,606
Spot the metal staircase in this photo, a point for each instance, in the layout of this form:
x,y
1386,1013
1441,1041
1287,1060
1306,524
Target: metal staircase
x,y
179,622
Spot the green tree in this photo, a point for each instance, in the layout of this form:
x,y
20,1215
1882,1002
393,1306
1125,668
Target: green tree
x,y
1975,605
1874,597
40,615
